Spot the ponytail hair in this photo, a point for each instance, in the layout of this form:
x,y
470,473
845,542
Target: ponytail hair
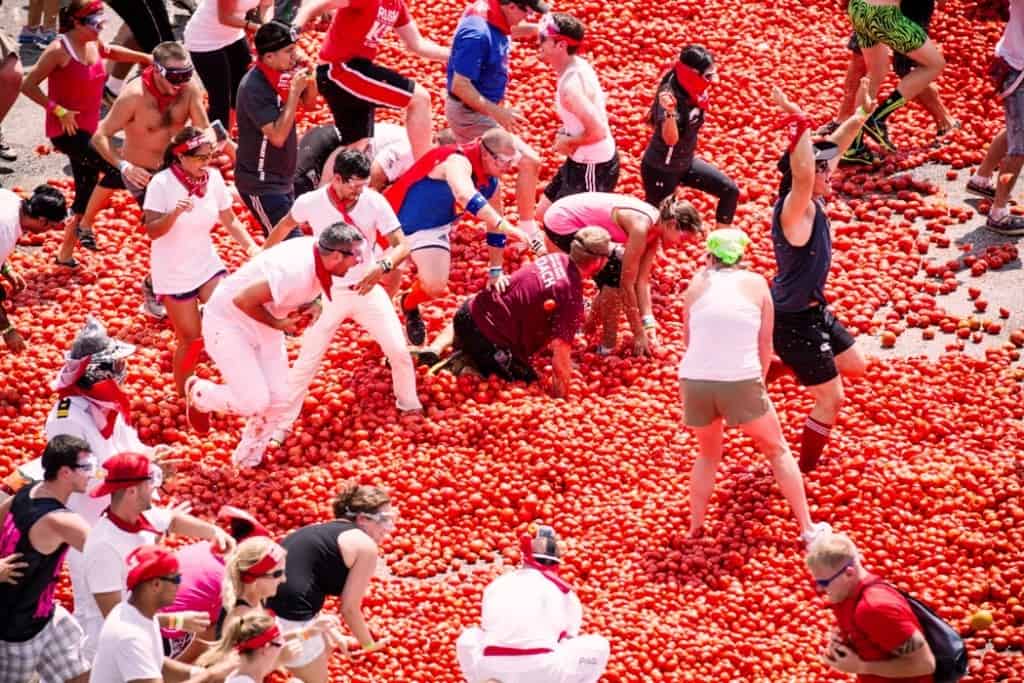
x,y
242,558
355,498
682,212
237,630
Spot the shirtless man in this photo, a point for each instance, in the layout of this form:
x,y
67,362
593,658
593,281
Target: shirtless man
x,y
150,110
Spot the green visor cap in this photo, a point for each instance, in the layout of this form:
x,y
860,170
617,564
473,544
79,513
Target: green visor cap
x,y
728,244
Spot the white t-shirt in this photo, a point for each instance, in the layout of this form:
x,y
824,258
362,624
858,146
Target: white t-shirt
x,y
106,550
372,215
391,149
239,678
1011,46
523,609
596,152
205,33
10,223
184,258
290,271
129,648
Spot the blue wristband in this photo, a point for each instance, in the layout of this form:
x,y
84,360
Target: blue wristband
x,y
475,203
495,271
496,239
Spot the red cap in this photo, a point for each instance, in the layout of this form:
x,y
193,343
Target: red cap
x,y
242,524
122,471
150,562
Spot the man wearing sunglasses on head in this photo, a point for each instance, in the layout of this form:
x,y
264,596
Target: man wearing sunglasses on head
x,y
150,111
244,327
430,198
38,636
807,336
879,638
131,521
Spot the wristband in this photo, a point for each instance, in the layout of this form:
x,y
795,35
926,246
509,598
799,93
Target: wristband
x,y
59,111
50,105
796,124
386,265
5,269
475,203
863,113
123,165
496,239
495,271
648,322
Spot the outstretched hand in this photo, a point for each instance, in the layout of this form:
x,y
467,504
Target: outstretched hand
x,y
782,101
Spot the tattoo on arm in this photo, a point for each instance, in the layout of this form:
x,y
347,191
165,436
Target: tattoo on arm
x,y
913,644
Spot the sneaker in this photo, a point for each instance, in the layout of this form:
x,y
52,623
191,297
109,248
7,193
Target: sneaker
x,y
879,132
828,129
986,191
454,364
7,152
815,532
424,356
249,451
859,155
415,328
197,419
1009,225
151,306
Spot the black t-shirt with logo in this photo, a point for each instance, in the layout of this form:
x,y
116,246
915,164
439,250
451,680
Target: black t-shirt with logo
x,y
689,119
260,167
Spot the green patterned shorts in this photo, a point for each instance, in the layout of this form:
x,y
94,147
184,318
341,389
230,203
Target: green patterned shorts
x,y
886,24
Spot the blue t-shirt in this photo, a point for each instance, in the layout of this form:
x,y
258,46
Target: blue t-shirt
x,y
429,203
480,53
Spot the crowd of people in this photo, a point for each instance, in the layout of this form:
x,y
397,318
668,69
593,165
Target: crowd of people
x,y
343,211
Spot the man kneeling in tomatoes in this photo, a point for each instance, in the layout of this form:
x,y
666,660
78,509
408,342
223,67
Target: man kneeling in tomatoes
x,y
497,330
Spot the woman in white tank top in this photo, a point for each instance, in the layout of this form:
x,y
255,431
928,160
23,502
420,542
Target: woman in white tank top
x,y
728,338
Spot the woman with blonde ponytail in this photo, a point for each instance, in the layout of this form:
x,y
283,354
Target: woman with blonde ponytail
x,y
252,574
256,641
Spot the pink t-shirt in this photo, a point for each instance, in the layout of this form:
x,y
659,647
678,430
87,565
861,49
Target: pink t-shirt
x,y
578,211
202,572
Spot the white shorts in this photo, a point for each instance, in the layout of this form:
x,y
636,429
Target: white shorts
x,y
574,660
55,653
431,238
311,649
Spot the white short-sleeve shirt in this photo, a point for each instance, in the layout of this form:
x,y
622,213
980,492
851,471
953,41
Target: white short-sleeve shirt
x,y
204,31
523,609
129,648
10,223
184,258
104,555
392,150
372,215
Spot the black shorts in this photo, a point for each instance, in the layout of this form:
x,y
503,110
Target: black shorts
x,y
486,357
609,276
573,178
354,89
808,341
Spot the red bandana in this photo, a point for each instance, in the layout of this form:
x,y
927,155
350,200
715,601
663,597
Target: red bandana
x,y
149,85
280,81
322,274
274,555
339,204
395,194
491,11
94,7
104,394
194,186
693,82
141,524
258,641
549,573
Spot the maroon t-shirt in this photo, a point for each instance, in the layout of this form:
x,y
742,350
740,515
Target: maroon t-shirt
x,y
521,320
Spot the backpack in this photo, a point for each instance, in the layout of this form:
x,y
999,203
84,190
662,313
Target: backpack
x,y
946,644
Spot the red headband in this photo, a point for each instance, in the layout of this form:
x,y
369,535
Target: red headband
x,y
93,7
549,29
258,641
265,564
191,144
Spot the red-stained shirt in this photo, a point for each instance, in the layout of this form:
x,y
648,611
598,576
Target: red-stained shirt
x,y
357,29
875,623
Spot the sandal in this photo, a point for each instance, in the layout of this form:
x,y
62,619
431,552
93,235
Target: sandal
x,y
70,263
86,238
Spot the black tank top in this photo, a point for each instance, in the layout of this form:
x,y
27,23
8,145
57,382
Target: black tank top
x,y
28,605
802,270
314,569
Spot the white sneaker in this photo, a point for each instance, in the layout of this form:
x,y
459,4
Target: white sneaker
x,y
815,532
249,451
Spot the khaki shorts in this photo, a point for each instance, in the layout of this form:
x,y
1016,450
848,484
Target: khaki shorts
x,y
738,402
467,124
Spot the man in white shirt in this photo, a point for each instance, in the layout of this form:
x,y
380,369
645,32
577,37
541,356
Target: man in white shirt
x,y
44,210
357,295
130,649
244,326
131,522
592,163
529,630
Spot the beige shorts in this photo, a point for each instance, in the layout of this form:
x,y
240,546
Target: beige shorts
x,y
738,402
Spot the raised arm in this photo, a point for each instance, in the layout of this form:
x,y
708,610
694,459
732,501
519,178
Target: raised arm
x,y
316,8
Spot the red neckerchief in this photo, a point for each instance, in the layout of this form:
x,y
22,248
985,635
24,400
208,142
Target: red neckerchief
x,y
339,204
395,194
194,186
103,394
280,85
322,274
149,85
141,524
693,82
549,573
491,11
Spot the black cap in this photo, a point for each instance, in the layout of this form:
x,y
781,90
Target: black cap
x,y
535,5
274,36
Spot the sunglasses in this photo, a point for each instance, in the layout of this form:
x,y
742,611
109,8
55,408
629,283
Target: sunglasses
x,y
89,465
276,574
175,76
276,643
94,21
504,162
825,583
175,579
200,157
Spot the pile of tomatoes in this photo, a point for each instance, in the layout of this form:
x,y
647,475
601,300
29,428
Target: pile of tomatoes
x,y
924,470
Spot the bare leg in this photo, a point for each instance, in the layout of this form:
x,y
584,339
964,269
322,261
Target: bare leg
x,y
187,325
996,152
932,103
1009,169
70,240
120,70
930,63
418,122
10,84
50,10
526,182
855,71
876,63
851,363
702,475
35,13
314,672
767,433
611,308
97,202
